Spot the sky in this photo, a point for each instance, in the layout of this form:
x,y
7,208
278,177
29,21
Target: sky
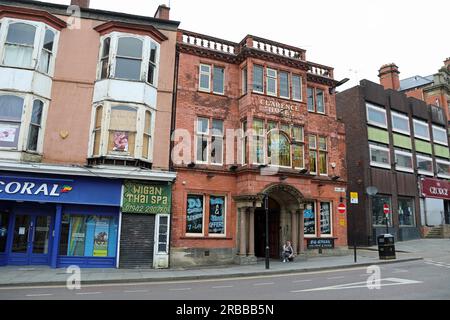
x,y
355,37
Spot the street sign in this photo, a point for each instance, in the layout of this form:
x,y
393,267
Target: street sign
x,y
354,198
337,189
386,209
342,208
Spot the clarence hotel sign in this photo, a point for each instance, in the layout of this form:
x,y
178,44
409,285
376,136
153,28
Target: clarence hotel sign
x,y
272,106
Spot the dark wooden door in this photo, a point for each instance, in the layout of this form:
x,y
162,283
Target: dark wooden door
x,y
274,233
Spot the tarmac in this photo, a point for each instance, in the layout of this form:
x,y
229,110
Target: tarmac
x,y
13,276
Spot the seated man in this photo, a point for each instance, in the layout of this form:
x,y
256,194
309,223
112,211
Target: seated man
x,y
288,252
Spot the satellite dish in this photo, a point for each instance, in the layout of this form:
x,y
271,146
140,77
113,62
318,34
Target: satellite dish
x,y
371,191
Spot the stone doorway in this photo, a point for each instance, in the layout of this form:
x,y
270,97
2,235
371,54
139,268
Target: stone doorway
x,y
274,231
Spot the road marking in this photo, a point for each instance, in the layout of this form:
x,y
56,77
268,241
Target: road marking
x,y
333,278
355,285
135,291
264,284
40,295
299,281
180,289
88,293
222,287
399,271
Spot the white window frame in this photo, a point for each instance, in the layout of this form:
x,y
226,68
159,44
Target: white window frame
x,y
327,235
406,154
22,143
41,28
195,235
146,51
222,136
156,239
213,76
288,84
323,101
273,78
301,87
442,175
224,235
444,143
204,73
423,123
105,127
403,117
199,133
378,164
426,173
378,109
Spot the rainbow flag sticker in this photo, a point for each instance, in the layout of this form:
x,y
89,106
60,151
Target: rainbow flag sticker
x,y
66,189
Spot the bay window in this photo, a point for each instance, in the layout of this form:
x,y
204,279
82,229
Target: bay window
x,y
122,131
128,57
21,122
28,45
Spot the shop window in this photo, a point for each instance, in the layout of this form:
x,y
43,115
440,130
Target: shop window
x,y
88,236
271,78
379,156
244,76
440,136
404,161
4,223
219,80
378,216
406,212
425,165
443,168
376,116
278,148
21,123
284,85
297,88
421,130
163,234
122,57
122,131
325,219
19,45
312,154
309,215
258,79
35,125
195,214
400,123
217,211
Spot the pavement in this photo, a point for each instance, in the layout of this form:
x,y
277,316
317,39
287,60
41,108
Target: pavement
x,y
12,276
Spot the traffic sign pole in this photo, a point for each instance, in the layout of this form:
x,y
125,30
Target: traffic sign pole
x,y
386,211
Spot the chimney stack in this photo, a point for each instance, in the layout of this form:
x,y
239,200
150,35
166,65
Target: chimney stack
x,y
163,12
81,3
389,76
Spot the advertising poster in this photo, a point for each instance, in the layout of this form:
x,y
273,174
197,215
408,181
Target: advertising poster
x,y
120,141
216,215
8,134
146,198
77,237
194,214
101,238
310,221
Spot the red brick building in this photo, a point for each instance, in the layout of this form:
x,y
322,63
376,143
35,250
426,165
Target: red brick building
x,y
253,118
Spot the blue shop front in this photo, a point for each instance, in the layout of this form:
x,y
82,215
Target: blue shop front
x,y
59,220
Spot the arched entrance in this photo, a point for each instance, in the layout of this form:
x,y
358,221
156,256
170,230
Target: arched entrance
x,y
274,230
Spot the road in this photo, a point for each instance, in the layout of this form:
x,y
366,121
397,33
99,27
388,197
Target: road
x,y
426,279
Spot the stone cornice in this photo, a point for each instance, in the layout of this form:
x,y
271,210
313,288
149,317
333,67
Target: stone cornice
x,y
149,30
33,15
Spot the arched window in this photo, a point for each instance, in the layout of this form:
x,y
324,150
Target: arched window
x,y
35,125
129,59
47,51
97,130
11,109
278,148
19,45
122,130
105,58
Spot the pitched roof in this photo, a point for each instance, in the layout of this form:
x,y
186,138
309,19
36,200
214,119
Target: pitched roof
x,y
415,82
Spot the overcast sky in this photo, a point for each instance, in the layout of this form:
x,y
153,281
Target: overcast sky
x,y
355,37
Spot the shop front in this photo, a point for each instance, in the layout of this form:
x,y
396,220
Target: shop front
x,y
435,202
59,220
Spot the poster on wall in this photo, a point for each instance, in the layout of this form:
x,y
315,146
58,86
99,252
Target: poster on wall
x,y
310,220
77,237
120,140
101,237
8,133
217,215
325,218
194,214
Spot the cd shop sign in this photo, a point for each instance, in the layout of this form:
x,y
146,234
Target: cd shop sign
x,y
433,188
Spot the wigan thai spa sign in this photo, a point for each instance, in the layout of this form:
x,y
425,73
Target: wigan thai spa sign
x,y
273,106
146,198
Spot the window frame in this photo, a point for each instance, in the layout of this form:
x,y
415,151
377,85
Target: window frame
x,y
262,79
300,89
314,203
157,234
401,168
202,134
225,207
214,67
244,81
280,132
444,143
423,172
423,123
379,164
298,143
262,136
195,235
289,80
378,109
390,222
273,78
403,117
326,235
222,137
442,175
204,73
317,90
413,213
313,149
325,151
313,96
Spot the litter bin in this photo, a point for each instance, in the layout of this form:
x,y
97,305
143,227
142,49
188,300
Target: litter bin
x,y
386,247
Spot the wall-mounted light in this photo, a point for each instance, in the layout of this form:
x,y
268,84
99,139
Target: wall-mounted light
x,y
233,168
191,165
303,171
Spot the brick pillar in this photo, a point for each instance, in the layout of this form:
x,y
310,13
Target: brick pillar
x,y
243,228
389,76
301,247
294,235
251,232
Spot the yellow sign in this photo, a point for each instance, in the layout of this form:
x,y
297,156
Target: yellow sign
x,y
342,222
354,198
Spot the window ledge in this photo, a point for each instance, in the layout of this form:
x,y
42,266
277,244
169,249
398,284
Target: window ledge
x,y
120,161
16,155
205,238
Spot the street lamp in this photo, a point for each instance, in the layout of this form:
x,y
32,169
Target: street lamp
x,y
266,207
